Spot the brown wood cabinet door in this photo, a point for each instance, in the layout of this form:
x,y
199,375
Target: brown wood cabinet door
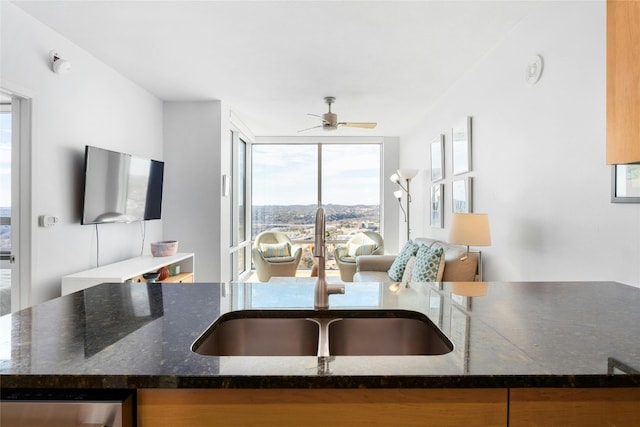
x,y
322,408
579,407
623,81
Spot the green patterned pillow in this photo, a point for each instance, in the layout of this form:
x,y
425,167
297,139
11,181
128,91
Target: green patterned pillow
x,y
400,263
272,250
429,263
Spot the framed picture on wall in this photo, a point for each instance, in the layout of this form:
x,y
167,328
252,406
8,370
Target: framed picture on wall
x,y
437,219
462,191
625,183
437,159
461,143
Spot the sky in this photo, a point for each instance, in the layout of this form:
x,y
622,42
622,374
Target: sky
x,y
287,174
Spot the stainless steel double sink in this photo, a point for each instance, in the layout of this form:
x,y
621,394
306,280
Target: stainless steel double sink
x,y
322,333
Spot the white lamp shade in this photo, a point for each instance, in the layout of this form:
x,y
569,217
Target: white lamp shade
x,y
398,194
407,174
470,229
394,178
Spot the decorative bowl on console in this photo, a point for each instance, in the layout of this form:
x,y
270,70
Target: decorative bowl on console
x,y
164,248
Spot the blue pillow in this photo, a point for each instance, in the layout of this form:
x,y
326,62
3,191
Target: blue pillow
x,y
275,250
400,263
429,262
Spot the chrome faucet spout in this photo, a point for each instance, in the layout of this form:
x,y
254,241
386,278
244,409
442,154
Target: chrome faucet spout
x,y
322,290
318,249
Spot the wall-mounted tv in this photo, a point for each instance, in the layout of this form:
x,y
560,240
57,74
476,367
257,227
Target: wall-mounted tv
x,y
119,187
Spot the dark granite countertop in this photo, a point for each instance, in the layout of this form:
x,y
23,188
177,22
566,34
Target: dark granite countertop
x,y
569,334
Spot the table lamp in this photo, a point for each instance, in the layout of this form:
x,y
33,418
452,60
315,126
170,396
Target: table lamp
x,y
470,229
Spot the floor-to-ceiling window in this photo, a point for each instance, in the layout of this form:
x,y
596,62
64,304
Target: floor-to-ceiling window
x,y
289,182
241,196
5,207
237,190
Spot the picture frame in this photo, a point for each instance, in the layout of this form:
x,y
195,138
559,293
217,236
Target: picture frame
x,y
462,195
436,218
437,158
625,183
461,147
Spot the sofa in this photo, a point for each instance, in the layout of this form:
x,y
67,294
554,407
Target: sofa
x,y
375,268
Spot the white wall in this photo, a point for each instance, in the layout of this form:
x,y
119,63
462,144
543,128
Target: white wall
x,y
193,139
538,154
91,105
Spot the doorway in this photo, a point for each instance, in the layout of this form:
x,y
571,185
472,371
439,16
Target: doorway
x,y
15,200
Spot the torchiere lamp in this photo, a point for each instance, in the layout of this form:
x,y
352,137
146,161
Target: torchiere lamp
x,y
405,175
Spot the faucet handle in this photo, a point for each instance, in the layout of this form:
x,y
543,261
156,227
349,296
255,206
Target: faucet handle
x,y
335,289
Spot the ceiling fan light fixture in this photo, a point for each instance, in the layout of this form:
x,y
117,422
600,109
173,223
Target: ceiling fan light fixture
x,y
330,119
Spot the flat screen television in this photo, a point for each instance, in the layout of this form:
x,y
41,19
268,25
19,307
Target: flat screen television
x,y
119,187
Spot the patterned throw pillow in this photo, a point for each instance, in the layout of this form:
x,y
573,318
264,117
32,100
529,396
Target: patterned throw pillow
x,y
400,263
352,248
429,263
272,250
408,271
365,250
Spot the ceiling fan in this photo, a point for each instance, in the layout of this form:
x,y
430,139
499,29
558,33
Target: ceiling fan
x,y
330,120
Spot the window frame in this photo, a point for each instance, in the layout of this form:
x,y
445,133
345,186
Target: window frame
x,y
320,143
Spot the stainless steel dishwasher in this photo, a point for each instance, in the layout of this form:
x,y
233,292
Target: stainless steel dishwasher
x,y
70,408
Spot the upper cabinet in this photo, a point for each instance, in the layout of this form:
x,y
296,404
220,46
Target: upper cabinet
x,y
623,81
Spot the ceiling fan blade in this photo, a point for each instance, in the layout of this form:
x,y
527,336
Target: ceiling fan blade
x,y
365,125
324,120
312,127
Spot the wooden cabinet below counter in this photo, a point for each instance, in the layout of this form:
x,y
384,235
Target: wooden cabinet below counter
x,y
322,407
581,407
512,407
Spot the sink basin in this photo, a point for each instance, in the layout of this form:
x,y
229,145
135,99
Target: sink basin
x,y
264,336
298,333
386,337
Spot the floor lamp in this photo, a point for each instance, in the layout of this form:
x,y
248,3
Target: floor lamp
x,y
405,175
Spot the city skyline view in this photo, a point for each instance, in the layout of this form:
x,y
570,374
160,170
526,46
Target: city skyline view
x,y
350,174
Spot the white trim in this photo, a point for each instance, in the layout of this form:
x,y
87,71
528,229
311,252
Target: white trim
x,y
239,125
319,140
21,199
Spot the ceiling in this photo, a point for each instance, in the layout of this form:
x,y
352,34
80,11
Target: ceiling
x,y
273,62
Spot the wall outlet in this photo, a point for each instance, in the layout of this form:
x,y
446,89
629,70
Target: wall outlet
x,y
48,220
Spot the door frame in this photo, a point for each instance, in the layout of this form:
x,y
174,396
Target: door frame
x,y
21,148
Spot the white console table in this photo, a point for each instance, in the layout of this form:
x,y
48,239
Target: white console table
x,y
130,269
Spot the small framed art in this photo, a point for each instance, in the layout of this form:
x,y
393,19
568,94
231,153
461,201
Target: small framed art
x,y
437,159
437,219
461,141
462,191
625,183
